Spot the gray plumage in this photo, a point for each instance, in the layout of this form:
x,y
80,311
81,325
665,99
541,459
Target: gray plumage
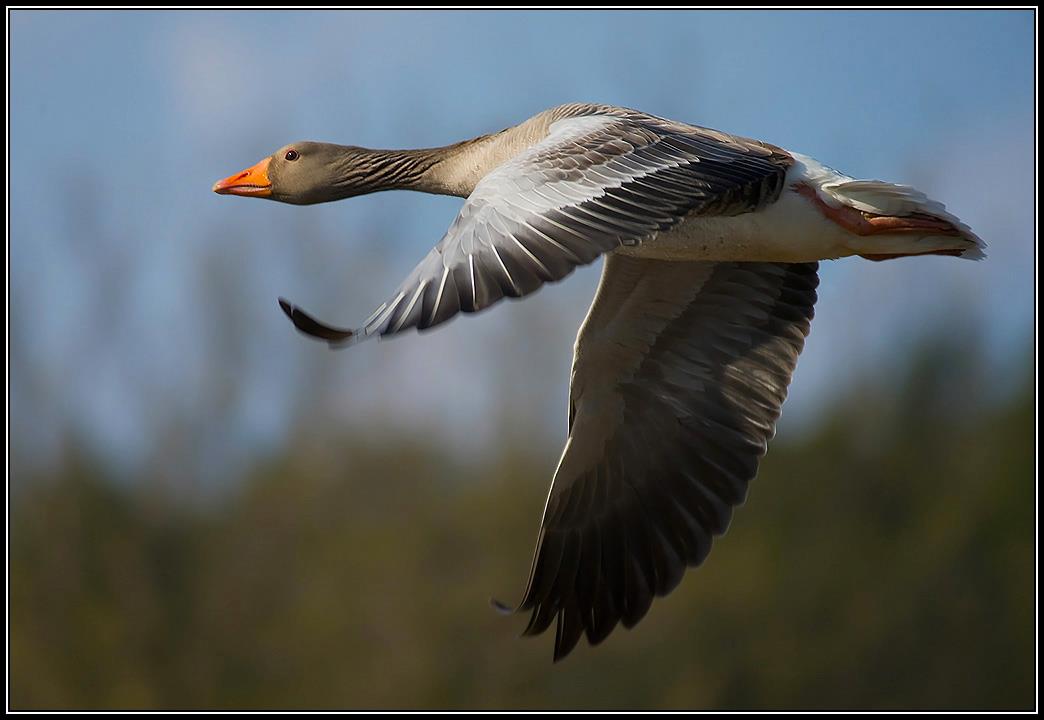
x,y
680,372
683,363
593,184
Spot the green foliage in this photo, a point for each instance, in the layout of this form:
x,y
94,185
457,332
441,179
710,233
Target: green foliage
x,y
883,560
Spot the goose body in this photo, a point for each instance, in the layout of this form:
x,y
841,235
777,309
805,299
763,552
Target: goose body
x,y
711,245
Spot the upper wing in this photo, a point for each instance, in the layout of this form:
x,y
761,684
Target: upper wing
x,y
678,379
594,183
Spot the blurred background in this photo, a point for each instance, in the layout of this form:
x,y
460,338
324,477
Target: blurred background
x,y
208,510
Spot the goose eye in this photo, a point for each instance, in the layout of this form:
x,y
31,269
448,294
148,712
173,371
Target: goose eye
x,y
292,155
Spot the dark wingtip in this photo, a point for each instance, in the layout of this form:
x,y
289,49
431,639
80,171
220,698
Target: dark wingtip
x,y
563,646
287,307
312,327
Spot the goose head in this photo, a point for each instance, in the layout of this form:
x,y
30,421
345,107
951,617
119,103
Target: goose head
x,y
305,173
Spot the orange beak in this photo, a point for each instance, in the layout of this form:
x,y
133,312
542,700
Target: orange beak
x,y
252,182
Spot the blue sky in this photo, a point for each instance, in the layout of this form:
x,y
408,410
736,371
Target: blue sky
x,y
126,272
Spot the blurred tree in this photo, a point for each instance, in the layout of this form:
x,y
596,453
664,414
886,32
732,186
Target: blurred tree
x,y
883,561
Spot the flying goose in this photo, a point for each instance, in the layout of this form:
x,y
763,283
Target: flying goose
x,y
711,245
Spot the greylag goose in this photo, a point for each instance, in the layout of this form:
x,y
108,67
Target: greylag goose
x,y
711,245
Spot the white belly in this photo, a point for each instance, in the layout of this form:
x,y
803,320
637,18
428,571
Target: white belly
x,y
789,230
793,229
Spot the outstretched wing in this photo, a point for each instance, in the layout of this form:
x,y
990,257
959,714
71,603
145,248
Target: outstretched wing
x,y
596,182
680,372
